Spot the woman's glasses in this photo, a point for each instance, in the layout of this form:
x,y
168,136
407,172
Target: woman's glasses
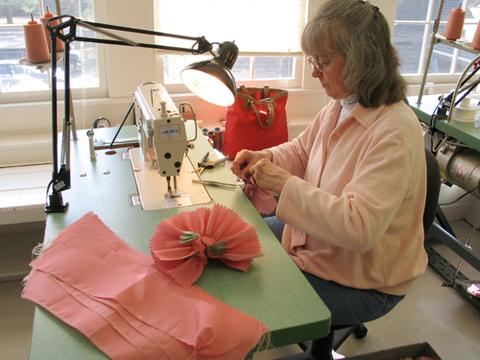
x,y
318,63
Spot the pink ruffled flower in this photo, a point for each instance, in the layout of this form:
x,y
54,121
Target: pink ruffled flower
x,y
183,243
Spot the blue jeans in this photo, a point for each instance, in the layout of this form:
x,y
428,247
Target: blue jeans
x,y
348,306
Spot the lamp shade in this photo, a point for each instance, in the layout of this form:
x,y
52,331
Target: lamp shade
x,y
212,80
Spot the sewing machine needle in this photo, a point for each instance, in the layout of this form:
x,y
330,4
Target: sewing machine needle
x,y
169,187
175,185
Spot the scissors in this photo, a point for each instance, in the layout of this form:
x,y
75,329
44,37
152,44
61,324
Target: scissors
x,y
206,163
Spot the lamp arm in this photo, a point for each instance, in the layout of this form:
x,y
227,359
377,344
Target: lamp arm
x,y
200,46
139,31
143,45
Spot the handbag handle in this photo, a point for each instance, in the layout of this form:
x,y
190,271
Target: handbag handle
x,y
269,101
271,113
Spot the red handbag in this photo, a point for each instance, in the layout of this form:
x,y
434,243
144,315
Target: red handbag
x,y
257,120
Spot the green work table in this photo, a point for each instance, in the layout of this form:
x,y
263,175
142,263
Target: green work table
x,y
462,131
273,290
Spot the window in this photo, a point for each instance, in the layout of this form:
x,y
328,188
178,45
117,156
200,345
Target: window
x,y
17,78
267,33
246,68
413,29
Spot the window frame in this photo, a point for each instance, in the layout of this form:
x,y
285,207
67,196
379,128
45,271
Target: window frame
x,y
416,78
45,95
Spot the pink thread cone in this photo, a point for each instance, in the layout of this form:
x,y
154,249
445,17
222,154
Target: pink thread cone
x,y
476,38
43,19
453,30
35,42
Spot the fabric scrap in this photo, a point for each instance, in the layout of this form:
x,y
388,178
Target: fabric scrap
x,y
263,200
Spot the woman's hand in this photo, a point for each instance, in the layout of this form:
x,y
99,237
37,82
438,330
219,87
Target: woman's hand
x,y
244,160
269,176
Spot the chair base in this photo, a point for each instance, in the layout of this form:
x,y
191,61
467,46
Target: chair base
x,y
359,331
320,349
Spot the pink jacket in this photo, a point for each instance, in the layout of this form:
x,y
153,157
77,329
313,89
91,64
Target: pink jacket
x,y
353,211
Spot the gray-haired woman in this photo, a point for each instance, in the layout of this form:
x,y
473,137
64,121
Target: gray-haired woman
x,y
352,185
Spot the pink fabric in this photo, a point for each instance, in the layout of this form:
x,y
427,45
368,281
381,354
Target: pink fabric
x,y
46,292
474,289
114,296
182,244
263,200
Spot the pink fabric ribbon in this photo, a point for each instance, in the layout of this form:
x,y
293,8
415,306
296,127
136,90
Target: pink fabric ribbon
x,y
263,200
112,294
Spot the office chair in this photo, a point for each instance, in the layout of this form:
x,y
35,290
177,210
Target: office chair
x,y
340,334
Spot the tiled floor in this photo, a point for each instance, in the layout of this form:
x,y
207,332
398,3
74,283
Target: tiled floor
x,y
430,313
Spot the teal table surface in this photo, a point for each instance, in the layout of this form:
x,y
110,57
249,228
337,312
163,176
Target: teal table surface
x,y
462,131
273,290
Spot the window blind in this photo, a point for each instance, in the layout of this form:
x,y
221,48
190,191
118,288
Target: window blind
x,y
256,26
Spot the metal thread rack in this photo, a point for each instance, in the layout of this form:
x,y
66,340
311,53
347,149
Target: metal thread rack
x,y
441,229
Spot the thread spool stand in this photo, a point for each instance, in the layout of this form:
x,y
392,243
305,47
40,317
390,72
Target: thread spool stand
x,y
45,66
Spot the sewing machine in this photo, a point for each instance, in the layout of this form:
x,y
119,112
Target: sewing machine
x,y
162,158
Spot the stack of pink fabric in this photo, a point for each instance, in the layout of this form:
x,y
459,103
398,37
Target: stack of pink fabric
x,y
112,294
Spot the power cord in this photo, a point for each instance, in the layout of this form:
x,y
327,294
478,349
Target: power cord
x,y
121,125
460,197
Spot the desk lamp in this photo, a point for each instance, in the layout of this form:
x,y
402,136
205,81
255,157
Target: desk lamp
x,y
211,80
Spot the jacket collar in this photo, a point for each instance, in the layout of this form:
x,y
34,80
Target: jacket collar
x,y
365,116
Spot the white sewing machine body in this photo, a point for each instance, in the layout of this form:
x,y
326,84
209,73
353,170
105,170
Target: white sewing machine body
x,y
161,129
162,155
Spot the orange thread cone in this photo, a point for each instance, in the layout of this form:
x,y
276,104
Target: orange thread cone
x,y
35,43
453,30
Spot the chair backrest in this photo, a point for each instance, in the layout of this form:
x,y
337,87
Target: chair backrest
x,y
433,190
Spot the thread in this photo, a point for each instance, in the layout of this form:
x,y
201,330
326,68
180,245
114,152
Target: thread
x,y
215,136
476,38
35,42
263,344
43,19
453,30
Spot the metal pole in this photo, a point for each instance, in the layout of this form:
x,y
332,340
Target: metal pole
x,y
72,118
436,25
54,107
58,6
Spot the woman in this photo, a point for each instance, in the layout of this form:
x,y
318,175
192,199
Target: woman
x,y
352,185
